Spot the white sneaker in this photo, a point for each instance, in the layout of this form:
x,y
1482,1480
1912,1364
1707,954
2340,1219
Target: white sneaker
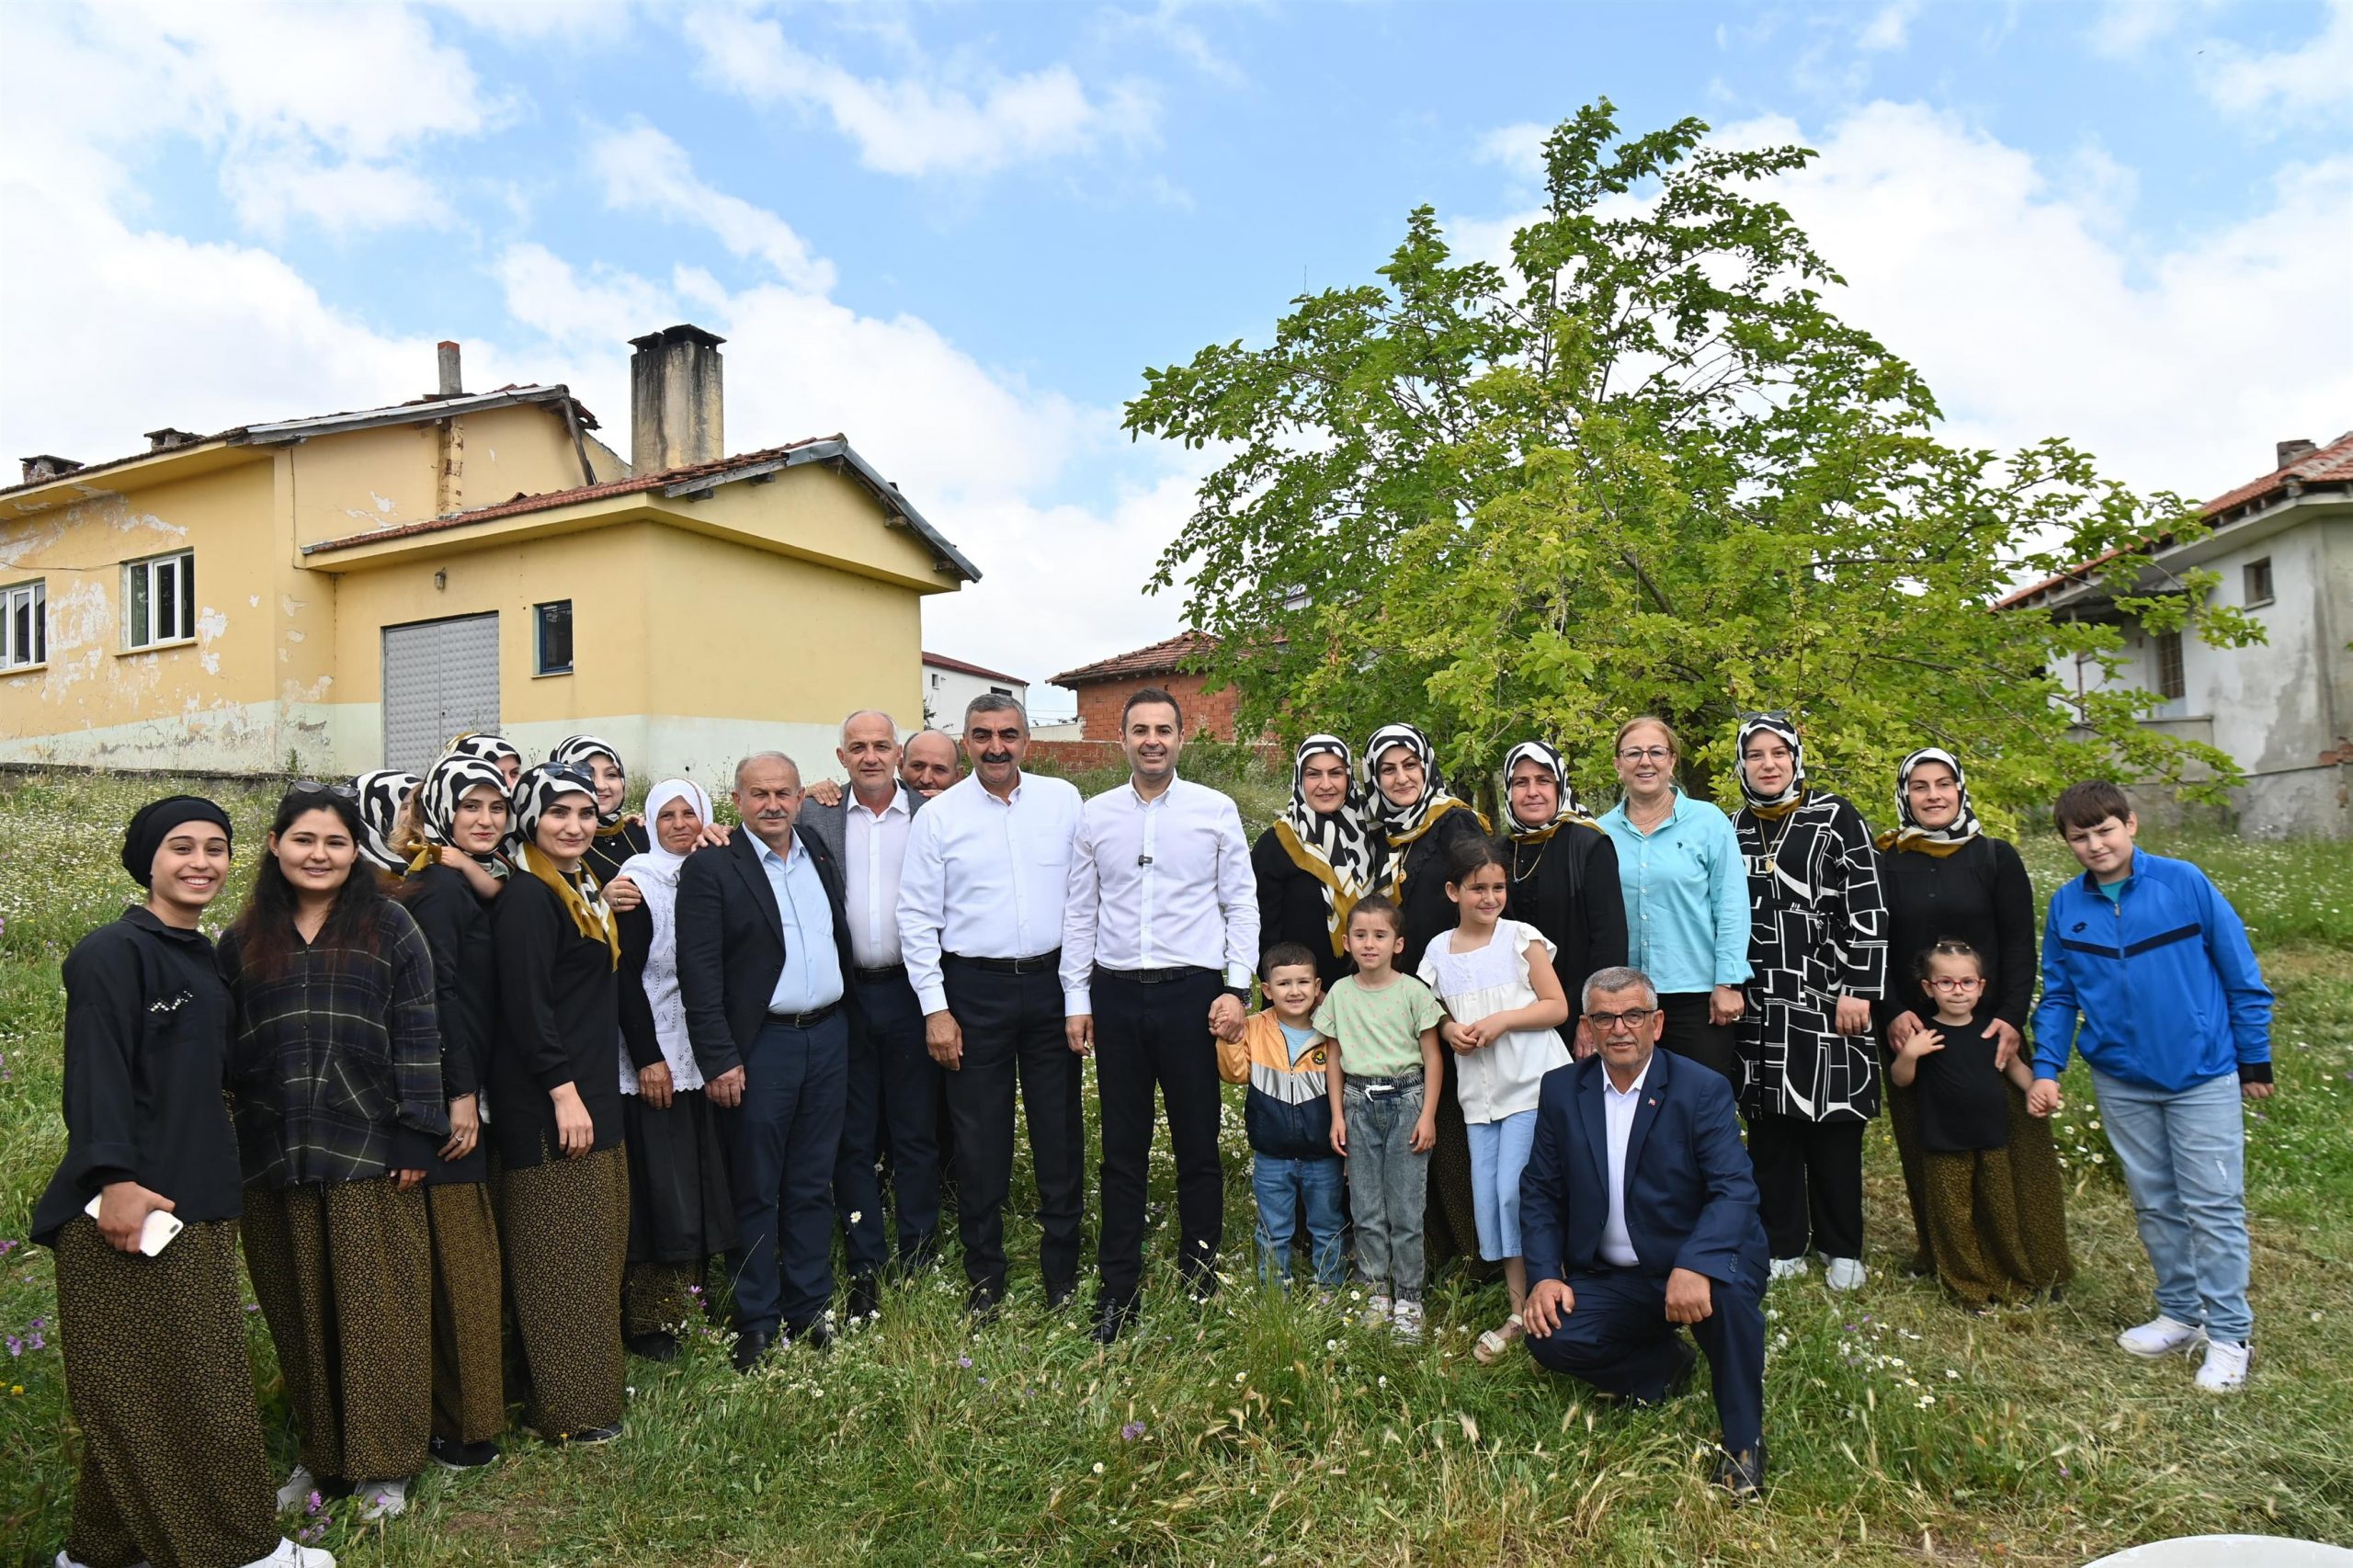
x,y
297,1490
2224,1367
1377,1313
289,1555
2161,1336
1789,1268
382,1500
1843,1274
1406,1322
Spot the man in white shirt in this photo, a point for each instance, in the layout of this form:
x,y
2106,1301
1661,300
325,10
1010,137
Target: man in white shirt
x,y
981,931
1637,1213
1160,932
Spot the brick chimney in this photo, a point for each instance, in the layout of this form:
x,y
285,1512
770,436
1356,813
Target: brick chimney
x,y
452,384
675,400
47,465
2289,451
163,440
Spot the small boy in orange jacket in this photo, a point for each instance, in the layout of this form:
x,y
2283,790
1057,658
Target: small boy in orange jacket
x,y
1289,1117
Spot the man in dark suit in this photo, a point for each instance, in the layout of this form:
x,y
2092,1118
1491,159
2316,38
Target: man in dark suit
x,y
1638,1212
763,961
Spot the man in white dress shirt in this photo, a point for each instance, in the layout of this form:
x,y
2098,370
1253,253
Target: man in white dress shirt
x,y
1160,931
1637,1213
981,931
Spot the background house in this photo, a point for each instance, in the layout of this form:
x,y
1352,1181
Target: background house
x,y
949,684
2282,545
1103,687
347,591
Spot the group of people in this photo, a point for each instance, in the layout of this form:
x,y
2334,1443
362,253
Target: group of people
x,y
507,1066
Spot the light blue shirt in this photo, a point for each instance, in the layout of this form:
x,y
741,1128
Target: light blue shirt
x,y
1687,897
812,977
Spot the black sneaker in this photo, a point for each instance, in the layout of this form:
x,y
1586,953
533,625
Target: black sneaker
x,y
594,1434
451,1454
657,1345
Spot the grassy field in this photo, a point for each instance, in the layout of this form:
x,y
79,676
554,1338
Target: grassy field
x,y
1261,1431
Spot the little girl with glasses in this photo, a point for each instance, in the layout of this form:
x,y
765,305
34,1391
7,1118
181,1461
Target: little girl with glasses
x,y
1988,1246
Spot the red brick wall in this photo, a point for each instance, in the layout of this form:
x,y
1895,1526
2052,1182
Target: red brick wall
x,y
1206,712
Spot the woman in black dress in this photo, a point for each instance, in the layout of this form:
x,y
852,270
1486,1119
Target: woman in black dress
x,y
556,1113
173,1466
340,1112
1563,870
1420,824
1318,858
619,836
460,820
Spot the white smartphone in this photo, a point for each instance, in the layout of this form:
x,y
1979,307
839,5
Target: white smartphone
x,y
158,1232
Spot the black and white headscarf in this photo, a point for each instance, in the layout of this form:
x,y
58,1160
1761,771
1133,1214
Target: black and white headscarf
x,y
539,789
1331,846
381,795
577,751
1570,811
1789,798
447,782
493,749
1401,823
1939,841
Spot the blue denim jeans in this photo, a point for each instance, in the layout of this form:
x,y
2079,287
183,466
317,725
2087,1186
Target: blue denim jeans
x,y
1291,1191
2184,1159
1387,1182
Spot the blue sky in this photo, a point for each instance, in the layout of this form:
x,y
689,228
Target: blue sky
x,y
958,233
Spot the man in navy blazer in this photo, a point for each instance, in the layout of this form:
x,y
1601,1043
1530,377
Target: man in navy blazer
x,y
1638,1212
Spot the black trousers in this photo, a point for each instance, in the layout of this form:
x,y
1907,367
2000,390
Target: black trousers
x,y
1617,1338
1013,1030
1689,1034
1809,1183
1148,1034
894,1096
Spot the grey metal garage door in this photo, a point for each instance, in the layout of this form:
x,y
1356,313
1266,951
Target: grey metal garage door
x,y
440,678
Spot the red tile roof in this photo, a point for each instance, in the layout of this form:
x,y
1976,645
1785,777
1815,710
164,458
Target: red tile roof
x,y
1181,653
942,662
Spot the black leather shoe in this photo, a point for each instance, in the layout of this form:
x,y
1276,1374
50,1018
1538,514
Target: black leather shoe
x,y
980,1305
594,1435
1061,1294
864,1297
750,1345
1743,1474
659,1345
816,1334
451,1454
1687,1357
1112,1316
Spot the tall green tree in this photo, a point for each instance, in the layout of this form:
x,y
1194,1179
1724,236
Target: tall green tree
x,y
1648,469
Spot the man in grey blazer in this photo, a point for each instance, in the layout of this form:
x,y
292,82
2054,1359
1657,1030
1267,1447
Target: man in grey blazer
x,y
893,1082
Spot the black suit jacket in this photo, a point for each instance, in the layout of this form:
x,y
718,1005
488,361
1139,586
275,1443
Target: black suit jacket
x,y
730,944
1690,1196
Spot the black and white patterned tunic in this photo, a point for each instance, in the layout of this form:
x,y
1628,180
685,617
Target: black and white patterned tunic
x,y
1817,929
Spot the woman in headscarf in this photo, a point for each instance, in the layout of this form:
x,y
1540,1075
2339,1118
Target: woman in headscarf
x,y
340,1112
1944,878
1563,869
383,805
619,836
173,1466
682,1209
1318,858
1420,825
1818,948
496,750
460,821
556,1092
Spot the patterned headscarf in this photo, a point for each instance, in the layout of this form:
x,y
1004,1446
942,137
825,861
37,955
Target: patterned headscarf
x,y
1570,811
1789,799
577,751
1331,846
539,789
1936,841
1402,824
447,783
492,749
381,795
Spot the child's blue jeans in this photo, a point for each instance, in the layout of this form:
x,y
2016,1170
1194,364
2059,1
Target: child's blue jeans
x,y
2183,1156
1291,1191
1387,1181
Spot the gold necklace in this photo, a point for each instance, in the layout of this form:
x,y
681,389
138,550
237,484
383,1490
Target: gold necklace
x,y
1773,850
1517,874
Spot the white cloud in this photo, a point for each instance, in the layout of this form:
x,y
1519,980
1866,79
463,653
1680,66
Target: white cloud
x,y
643,170
1518,148
1889,26
1165,24
2311,82
921,124
268,190
2121,30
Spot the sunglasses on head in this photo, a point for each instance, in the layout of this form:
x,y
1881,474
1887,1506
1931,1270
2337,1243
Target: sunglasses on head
x,y
321,787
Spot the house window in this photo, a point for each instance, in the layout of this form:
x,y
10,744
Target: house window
x,y
937,680
2170,683
24,625
1001,690
553,654
2258,582
159,600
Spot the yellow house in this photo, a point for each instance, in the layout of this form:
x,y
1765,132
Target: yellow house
x,y
346,591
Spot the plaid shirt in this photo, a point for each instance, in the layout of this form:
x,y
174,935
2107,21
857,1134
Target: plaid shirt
x,y
336,1063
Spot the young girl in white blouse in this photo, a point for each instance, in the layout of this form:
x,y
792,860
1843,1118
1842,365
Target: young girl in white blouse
x,y
1504,1008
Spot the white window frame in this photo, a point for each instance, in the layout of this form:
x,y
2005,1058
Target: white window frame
x,y
180,565
14,597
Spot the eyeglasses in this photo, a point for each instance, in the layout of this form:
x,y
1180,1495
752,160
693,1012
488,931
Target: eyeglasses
x,y
1956,983
1633,1018
1644,754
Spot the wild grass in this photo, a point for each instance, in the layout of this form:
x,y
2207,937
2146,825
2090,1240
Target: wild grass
x,y
1265,1430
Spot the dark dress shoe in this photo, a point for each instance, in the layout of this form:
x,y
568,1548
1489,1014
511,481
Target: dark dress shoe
x,y
594,1434
864,1297
1687,1359
1112,1316
816,1334
1061,1294
980,1305
1743,1474
656,1345
750,1345
451,1454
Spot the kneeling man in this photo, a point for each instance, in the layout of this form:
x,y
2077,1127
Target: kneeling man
x,y
1638,1212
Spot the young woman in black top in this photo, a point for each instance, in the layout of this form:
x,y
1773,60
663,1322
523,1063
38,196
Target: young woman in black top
x,y
1564,869
556,1112
454,872
173,1465
1318,858
339,1107
619,836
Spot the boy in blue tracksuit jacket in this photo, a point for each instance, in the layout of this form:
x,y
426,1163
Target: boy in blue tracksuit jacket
x,y
2176,1030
